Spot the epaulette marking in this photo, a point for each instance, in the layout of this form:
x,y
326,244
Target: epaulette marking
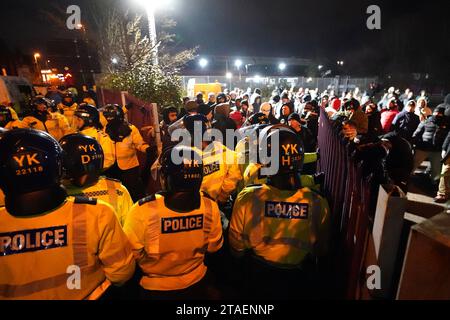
x,y
254,185
147,199
85,200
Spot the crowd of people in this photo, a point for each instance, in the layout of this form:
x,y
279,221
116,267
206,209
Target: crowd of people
x,y
418,129
75,195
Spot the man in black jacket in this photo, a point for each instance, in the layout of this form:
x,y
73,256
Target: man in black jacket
x,y
406,122
222,122
429,139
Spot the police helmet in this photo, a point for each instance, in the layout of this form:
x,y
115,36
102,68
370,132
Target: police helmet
x,y
113,112
69,94
82,159
287,144
184,175
258,118
37,100
89,114
50,104
30,169
5,115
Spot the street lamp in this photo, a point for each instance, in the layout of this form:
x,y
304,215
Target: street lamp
x,y
150,7
238,63
282,66
320,67
36,56
114,61
203,63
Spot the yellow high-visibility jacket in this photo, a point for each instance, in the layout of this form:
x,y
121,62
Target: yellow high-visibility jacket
x,y
13,113
220,171
56,125
90,101
252,174
69,113
15,124
281,227
104,140
125,152
109,190
74,252
170,246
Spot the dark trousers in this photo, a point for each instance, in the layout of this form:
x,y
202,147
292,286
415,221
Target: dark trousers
x,y
264,281
130,178
202,290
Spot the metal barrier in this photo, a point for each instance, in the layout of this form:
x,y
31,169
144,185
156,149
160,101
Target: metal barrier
x,y
349,194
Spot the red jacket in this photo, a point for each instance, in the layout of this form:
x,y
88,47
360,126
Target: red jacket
x,y
387,116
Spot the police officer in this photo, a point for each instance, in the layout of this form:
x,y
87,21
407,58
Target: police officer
x,y
173,230
68,107
83,164
125,141
7,120
281,225
220,165
53,246
45,117
253,175
87,121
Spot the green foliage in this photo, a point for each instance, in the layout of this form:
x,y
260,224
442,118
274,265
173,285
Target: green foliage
x,y
122,39
148,83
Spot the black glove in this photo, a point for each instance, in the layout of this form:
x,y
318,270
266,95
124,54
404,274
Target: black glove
x,y
149,159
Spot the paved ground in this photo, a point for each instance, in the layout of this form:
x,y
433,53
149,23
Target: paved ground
x,y
421,189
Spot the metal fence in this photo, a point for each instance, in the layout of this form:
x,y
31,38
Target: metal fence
x,y
339,84
352,204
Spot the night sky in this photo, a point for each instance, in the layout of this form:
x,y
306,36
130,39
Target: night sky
x,y
417,34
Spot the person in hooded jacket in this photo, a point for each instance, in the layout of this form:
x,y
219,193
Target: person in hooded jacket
x,y
222,122
374,120
244,109
422,109
286,110
170,115
311,119
388,115
256,105
406,122
429,139
255,100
